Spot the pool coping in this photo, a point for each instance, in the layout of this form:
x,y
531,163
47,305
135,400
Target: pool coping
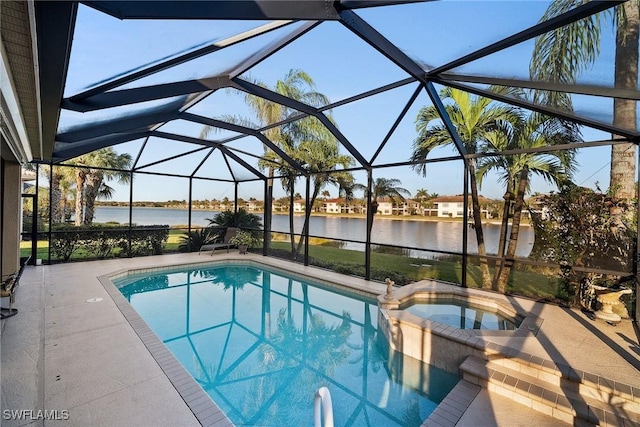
x,y
204,408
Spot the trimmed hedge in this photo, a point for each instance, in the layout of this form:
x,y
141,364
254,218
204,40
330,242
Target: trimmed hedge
x,y
101,240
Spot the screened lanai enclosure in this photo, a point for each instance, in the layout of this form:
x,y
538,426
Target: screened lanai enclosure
x,y
489,144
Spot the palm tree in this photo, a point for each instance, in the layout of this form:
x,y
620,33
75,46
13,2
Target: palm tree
x,y
296,85
325,194
67,190
561,55
473,117
94,179
90,183
193,240
288,177
515,171
319,153
60,183
241,219
347,188
81,173
422,196
385,187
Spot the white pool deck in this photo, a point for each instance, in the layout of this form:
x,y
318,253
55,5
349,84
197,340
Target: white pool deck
x,y
62,353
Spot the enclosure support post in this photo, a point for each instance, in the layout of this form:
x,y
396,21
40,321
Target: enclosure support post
x,y
367,245
34,223
2,211
130,211
267,218
190,212
235,198
50,209
307,214
292,233
465,220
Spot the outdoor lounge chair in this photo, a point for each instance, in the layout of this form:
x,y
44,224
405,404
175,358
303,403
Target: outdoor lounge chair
x,y
228,235
8,290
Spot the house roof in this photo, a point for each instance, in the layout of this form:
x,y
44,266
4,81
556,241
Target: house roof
x,y
337,200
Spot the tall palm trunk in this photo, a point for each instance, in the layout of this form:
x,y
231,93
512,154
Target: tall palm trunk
x,y
477,224
515,230
56,196
292,237
93,181
374,211
80,178
268,208
64,209
623,156
307,215
508,196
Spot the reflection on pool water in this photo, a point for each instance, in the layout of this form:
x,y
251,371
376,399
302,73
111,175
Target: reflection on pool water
x,y
463,315
261,343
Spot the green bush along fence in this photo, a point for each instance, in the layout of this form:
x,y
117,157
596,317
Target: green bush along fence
x,y
103,241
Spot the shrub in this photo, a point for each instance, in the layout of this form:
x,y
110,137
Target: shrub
x,y
242,219
145,240
65,241
196,238
244,238
100,240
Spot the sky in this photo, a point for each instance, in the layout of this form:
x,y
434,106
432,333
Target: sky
x,y
341,65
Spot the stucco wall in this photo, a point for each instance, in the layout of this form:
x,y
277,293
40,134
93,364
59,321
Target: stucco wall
x,y
11,198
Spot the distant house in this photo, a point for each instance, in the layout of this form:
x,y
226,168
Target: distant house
x,y
453,206
385,206
408,207
254,205
299,205
333,205
278,207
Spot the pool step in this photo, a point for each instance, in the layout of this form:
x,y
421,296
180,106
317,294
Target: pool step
x,y
567,398
583,383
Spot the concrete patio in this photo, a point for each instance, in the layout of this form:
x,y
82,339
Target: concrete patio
x,y
63,352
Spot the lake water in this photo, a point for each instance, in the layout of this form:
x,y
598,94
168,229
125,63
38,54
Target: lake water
x,y
434,235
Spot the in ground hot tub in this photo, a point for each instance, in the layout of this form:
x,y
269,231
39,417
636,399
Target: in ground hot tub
x,y
443,324
459,312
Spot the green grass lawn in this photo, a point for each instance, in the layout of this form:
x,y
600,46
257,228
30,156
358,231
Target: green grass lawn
x,y
526,282
400,268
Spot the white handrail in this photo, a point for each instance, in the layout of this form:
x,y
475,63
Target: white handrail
x,y
322,399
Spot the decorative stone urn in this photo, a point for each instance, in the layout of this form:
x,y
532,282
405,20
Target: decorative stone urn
x,y
608,299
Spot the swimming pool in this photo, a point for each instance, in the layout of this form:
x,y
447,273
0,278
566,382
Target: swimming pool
x,y
261,343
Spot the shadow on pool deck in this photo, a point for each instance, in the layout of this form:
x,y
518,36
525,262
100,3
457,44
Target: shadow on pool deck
x,y
64,353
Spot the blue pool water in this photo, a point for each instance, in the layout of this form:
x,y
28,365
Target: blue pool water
x,y
260,344
463,315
